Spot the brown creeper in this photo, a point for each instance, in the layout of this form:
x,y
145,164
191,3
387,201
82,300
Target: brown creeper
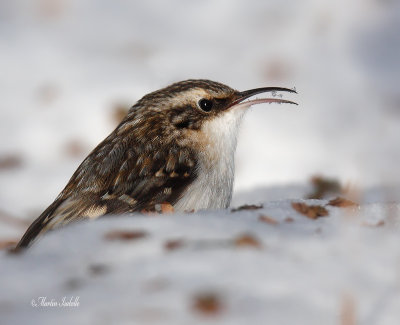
x,y
175,145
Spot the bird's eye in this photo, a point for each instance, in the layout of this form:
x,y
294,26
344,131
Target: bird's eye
x,y
205,104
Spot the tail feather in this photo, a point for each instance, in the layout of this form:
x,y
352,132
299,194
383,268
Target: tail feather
x,y
39,225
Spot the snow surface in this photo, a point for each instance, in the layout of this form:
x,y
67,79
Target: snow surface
x,y
304,271
65,67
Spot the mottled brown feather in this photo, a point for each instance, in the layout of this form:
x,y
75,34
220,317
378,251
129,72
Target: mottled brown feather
x,y
145,161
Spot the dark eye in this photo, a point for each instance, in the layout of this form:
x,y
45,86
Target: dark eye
x,y
205,104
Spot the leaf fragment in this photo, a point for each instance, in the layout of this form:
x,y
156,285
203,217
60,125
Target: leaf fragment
x,y
208,303
310,211
341,202
247,207
125,235
247,240
267,219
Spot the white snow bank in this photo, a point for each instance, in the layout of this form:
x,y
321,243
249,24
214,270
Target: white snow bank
x,y
293,271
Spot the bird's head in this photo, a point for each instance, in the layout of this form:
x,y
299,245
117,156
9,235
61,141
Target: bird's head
x,y
198,108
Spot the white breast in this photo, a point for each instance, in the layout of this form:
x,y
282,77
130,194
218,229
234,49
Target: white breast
x,y
213,187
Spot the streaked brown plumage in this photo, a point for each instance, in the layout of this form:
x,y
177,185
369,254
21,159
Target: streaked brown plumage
x,y
153,156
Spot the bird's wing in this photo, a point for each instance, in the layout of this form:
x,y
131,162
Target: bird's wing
x,y
146,179
116,178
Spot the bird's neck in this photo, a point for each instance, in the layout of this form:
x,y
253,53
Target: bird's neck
x,y
213,186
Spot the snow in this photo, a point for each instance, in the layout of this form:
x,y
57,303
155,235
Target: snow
x,y
304,269
65,67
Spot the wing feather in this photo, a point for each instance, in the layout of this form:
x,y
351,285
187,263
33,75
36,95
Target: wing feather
x,y
118,177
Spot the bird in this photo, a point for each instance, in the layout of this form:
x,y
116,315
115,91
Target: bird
x,y
175,145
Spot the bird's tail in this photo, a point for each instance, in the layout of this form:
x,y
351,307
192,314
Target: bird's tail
x,y
38,226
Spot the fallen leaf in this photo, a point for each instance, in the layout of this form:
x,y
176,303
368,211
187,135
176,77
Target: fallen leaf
x,y
342,203
174,244
247,207
125,235
209,304
247,240
268,220
323,186
288,219
310,211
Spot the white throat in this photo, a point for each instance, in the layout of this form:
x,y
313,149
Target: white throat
x,y
213,187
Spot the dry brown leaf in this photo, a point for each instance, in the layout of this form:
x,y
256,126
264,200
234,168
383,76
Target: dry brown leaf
x,y
342,203
125,235
209,304
289,219
174,244
323,186
269,220
310,211
247,240
247,207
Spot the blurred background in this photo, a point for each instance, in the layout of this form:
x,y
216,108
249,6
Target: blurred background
x,y
70,68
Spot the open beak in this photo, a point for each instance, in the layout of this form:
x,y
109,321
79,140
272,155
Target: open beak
x,y
243,95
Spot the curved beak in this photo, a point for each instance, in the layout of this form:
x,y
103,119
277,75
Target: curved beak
x,y
243,95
